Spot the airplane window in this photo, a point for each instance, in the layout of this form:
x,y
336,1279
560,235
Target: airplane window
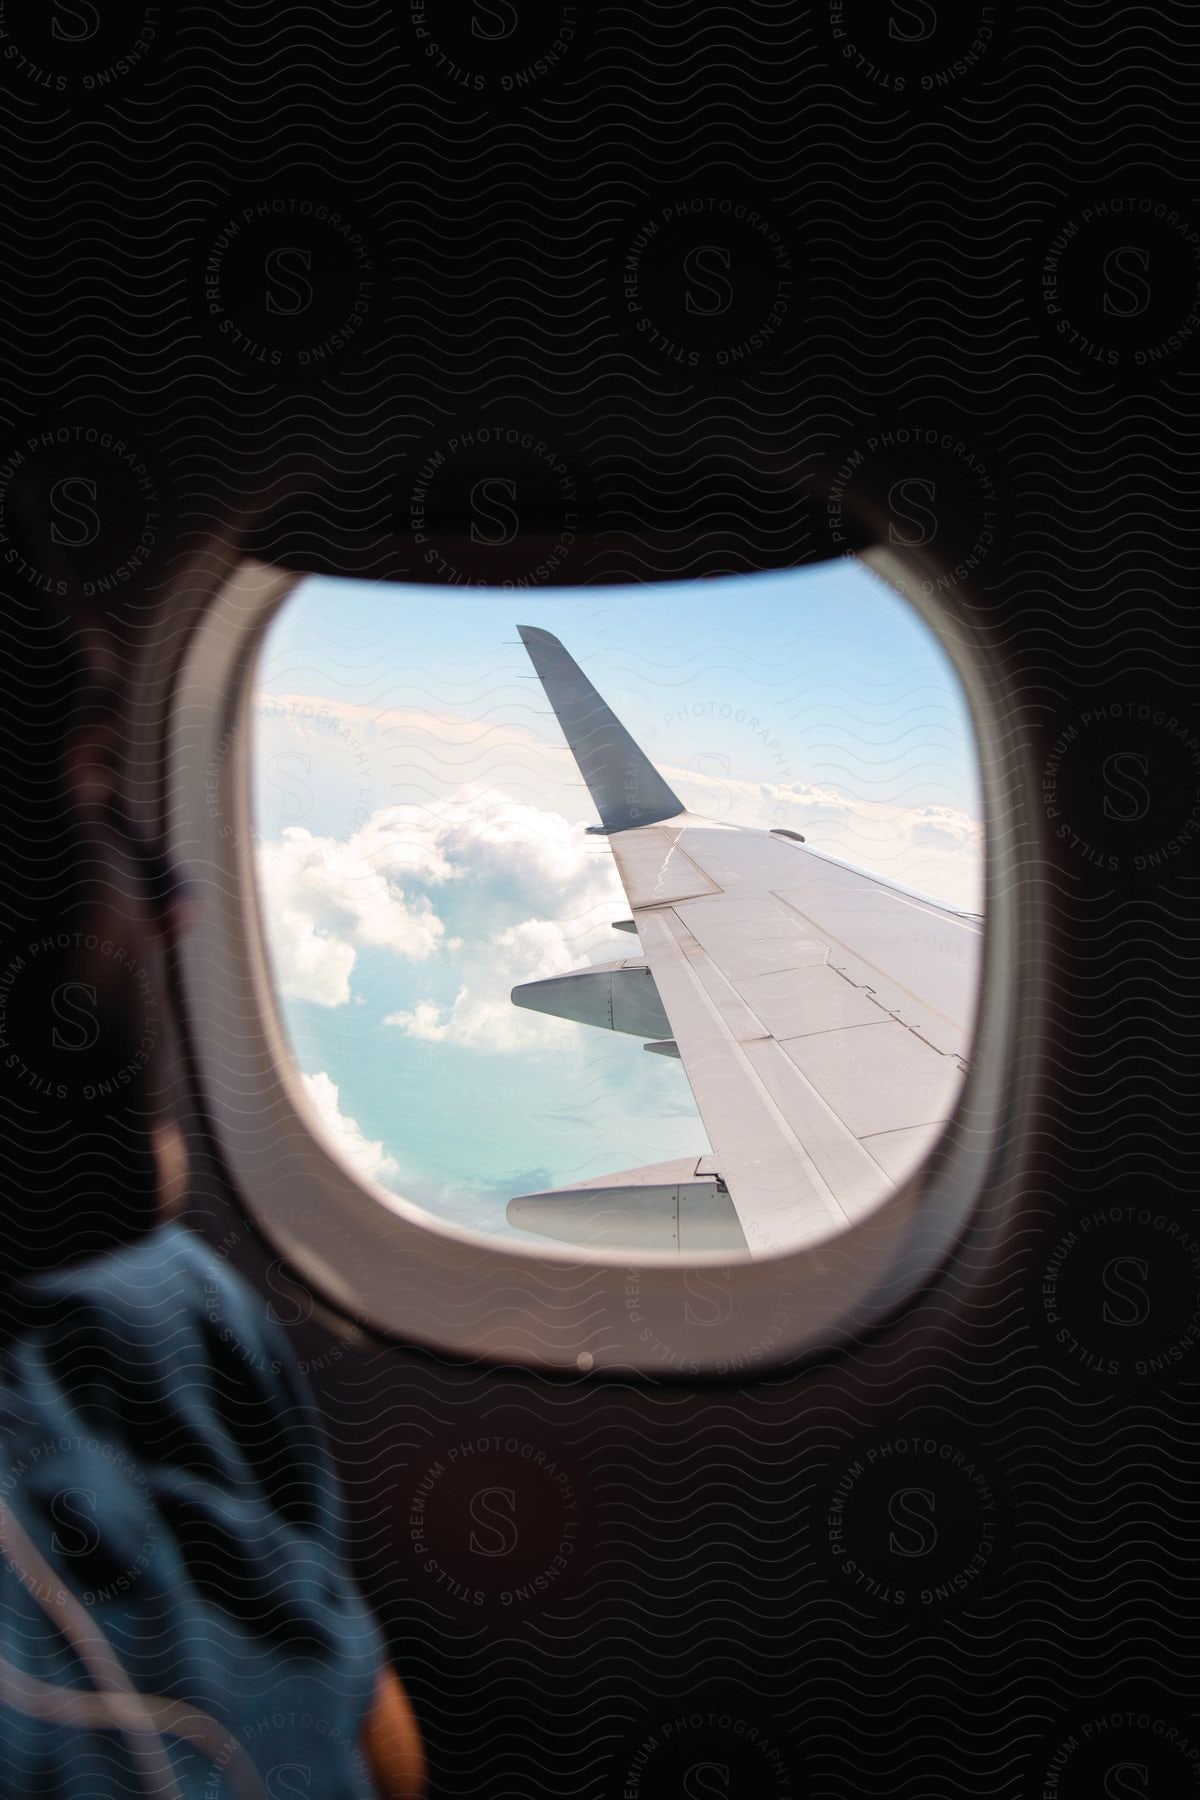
x,y
622,919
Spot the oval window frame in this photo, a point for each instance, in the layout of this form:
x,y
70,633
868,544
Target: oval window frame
x,y
414,1277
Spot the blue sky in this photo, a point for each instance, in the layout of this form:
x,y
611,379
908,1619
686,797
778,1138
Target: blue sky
x,y
422,844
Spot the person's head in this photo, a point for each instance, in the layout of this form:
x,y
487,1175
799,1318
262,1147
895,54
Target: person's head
x,y
89,907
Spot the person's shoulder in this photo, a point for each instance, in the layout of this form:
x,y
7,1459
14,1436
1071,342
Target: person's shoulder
x,y
169,1290
164,1347
167,1264
164,1328
134,1276
154,1387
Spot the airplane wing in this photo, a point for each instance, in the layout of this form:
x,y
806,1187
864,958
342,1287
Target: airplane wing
x,y
823,1016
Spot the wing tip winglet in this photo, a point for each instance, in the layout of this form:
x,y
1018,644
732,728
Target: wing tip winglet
x,y
627,789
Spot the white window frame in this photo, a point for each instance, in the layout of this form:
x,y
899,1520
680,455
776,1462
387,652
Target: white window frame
x,y
410,1275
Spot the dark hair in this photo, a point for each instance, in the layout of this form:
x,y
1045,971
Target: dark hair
x,y
80,980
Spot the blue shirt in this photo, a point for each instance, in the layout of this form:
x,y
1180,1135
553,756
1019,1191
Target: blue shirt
x,y
161,1451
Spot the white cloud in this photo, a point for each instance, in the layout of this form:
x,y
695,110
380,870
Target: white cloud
x,y
365,1156
478,831
322,895
935,849
311,965
531,857
482,1015
325,897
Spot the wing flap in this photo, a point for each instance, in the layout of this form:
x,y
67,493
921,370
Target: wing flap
x,y
878,1077
776,1186
845,1165
816,998
899,1152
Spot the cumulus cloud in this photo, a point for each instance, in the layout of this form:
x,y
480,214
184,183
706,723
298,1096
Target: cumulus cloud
x,y
310,964
942,828
533,855
344,1135
484,854
323,895
482,1015
528,858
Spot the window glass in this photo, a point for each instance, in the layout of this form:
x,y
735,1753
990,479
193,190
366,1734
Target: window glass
x,y
776,1038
